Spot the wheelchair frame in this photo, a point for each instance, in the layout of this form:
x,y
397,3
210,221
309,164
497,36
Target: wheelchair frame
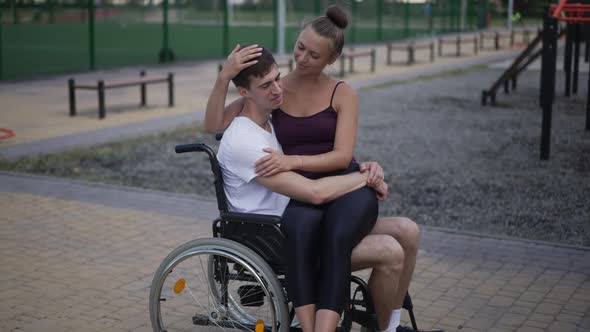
x,y
254,235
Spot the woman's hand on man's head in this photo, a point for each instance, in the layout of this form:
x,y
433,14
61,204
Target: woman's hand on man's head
x,y
239,59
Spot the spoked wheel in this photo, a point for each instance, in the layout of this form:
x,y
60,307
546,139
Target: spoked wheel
x,y
216,285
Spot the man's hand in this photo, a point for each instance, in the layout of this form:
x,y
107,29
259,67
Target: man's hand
x,y
239,59
382,191
376,174
275,162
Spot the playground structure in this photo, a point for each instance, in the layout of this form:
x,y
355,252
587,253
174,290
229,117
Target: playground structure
x,y
576,18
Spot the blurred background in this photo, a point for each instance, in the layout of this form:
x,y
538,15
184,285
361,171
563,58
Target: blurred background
x,y
48,37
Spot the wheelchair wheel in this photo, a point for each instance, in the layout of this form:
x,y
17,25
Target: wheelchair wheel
x,y
216,285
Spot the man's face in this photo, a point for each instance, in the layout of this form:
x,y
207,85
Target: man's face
x,y
266,92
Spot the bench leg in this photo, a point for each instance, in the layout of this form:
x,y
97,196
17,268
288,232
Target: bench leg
x,y
389,53
373,60
142,89
342,65
432,52
170,90
101,109
72,93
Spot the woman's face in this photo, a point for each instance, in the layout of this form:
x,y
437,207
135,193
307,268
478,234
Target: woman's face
x,y
313,52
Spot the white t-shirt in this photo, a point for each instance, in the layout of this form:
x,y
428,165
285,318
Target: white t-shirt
x,y
240,148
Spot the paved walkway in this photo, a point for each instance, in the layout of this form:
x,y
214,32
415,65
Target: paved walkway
x,y
80,257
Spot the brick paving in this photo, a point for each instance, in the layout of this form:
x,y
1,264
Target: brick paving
x,y
80,257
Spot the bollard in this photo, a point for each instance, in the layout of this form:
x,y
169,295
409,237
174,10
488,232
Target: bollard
x,y
170,89
142,89
72,93
101,108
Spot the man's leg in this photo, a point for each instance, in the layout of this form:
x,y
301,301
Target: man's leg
x,y
407,233
385,255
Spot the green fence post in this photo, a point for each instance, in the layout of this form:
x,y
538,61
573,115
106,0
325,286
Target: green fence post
x,y
406,19
166,54
317,7
51,11
379,20
91,36
14,12
275,19
354,19
225,29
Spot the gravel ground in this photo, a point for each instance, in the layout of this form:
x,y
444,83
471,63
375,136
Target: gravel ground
x,y
449,161
454,163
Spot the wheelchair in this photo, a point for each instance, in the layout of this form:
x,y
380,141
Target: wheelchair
x,y
235,280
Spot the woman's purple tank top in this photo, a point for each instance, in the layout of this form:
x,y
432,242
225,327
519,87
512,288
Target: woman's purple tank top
x,y
308,135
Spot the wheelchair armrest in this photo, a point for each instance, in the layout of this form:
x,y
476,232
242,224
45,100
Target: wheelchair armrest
x,y
253,218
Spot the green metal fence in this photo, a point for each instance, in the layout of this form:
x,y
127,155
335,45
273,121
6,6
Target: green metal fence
x,y
48,37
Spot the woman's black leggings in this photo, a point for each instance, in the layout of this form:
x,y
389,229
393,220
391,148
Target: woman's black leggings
x,y
325,235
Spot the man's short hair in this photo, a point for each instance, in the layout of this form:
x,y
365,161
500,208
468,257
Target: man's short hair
x,y
261,68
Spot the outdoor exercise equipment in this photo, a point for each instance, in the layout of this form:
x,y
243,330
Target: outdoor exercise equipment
x,y
6,133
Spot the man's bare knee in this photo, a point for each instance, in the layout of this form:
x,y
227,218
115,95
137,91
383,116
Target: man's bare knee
x,y
410,234
392,255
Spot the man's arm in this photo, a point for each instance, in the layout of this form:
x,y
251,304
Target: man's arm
x,y
317,191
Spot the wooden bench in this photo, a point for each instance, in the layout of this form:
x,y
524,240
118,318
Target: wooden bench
x,y
351,54
101,86
411,48
495,36
457,41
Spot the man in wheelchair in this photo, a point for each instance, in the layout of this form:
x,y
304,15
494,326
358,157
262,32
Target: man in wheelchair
x,y
392,259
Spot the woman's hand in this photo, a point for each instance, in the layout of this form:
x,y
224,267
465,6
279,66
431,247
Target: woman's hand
x,y
239,59
382,191
276,162
375,170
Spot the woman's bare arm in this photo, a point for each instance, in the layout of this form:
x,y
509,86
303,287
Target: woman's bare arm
x,y
218,116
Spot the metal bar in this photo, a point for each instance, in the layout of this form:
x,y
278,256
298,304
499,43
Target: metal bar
x,y
410,54
548,64
577,29
389,49
458,45
588,105
170,89
567,59
142,89
225,37
72,94
91,43
373,60
101,108
432,51
497,40
516,62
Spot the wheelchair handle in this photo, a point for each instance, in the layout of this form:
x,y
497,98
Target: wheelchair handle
x,y
194,147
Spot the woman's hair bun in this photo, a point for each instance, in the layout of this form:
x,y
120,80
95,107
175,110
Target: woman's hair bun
x,y
337,16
